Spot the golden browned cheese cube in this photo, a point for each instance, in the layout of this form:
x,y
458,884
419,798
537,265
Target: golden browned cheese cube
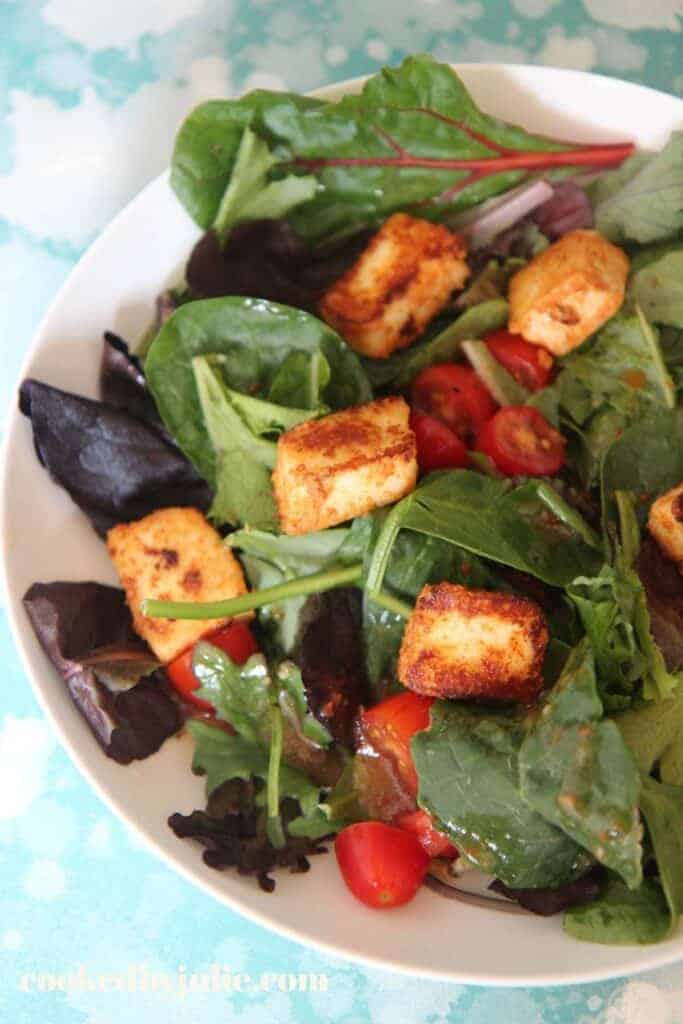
x,y
398,284
567,291
665,523
344,465
173,555
473,644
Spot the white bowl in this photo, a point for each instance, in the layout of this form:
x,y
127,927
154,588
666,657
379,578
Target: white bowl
x,y
45,537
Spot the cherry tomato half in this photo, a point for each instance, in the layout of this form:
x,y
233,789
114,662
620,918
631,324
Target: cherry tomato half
x,y
235,639
383,866
433,842
522,442
389,727
454,395
437,446
530,365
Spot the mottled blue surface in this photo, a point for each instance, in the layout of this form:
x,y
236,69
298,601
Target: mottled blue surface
x,y
90,94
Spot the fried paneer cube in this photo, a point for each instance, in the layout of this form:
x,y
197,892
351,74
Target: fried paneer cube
x,y
665,523
473,644
567,291
344,465
173,554
398,284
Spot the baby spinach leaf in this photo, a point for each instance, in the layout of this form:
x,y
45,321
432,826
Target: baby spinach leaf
x,y
250,196
467,765
301,380
647,204
622,916
513,526
397,372
653,733
662,808
576,771
255,337
658,289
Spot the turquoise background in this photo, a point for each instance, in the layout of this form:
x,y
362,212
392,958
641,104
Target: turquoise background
x,y
90,94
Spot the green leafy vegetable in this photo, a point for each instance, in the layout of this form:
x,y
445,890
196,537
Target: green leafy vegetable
x,y
294,705
490,283
622,916
413,138
467,765
240,693
399,370
498,381
577,772
254,337
643,201
658,289
250,196
662,808
654,734
513,526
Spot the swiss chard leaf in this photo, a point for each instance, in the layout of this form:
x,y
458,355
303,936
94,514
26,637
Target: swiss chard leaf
x,y
518,527
467,765
396,146
396,372
622,916
577,772
255,338
643,201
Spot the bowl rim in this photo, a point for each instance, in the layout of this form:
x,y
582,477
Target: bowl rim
x,y
665,954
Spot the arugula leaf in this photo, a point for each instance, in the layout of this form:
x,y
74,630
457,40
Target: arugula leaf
x,y
250,196
658,289
621,916
647,205
269,560
467,765
254,337
577,772
662,808
513,526
398,370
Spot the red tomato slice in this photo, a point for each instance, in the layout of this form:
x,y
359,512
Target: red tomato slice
x,y
383,866
389,727
235,639
454,395
433,842
530,365
437,446
521,442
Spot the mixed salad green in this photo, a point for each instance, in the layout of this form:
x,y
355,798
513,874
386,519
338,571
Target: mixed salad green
x,y
572,803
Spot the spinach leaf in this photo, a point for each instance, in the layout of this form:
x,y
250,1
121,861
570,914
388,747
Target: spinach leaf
x,y
577,772
250,196
647,205
662,808
208,143
467,765
397,372
518,527
399,145
654,734
255,337
622,916
658,289
301,380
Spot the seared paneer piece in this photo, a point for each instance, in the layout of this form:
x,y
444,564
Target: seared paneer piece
x,y
666,524
569,290
344,465
173,555
399,283
473,644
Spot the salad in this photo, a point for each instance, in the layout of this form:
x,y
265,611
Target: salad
x,y
394,489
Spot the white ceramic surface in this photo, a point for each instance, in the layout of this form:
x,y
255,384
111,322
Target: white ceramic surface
x,y
45,537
